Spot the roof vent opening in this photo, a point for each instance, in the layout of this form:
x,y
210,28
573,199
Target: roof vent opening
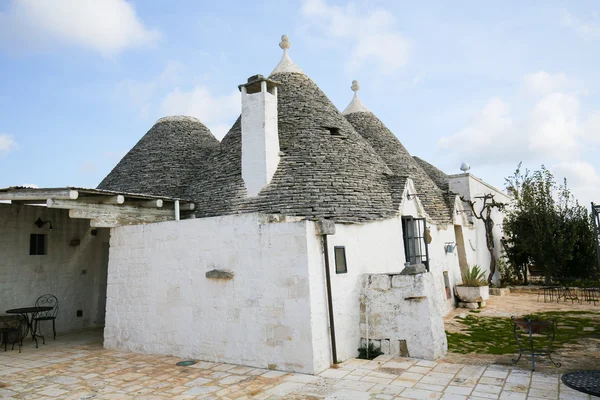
x,y
334,131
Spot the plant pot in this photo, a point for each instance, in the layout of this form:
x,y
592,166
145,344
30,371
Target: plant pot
x,y
472,294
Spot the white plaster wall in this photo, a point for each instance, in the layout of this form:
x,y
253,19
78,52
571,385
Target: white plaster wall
x,y
376,247
260,140
23,277
440,262
470,187
402,307
159,300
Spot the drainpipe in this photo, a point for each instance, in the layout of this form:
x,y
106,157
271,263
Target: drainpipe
x,y
327,227
177,215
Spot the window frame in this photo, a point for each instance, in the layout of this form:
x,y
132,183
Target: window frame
x,y
38,247
414,239
335,259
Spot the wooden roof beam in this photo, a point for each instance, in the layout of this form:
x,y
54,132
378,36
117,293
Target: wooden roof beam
x,y
117,199
106,208
40,194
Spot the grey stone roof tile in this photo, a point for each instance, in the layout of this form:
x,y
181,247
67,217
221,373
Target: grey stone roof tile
x,y
320,175
402,164
165,160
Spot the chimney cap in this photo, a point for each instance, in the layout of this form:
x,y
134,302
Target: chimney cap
x,y
255,81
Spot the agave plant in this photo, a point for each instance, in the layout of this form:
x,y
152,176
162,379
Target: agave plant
x,y
474,277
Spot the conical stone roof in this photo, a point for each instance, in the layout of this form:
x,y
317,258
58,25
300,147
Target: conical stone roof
x,y
399,160
437,175
326,169
165,160
440,178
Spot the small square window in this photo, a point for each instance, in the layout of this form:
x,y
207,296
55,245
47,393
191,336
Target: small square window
x,y
340,260
38,245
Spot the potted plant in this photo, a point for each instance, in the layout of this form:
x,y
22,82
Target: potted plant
x,y
474,288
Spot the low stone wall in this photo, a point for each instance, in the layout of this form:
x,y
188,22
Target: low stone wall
x,y
398,313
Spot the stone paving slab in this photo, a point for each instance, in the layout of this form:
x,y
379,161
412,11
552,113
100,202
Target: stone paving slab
x,y
76,367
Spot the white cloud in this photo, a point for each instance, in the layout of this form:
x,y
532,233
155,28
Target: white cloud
x,y
373,34
553,126
586,29
107,26
548,126
590,131
582,179
542,82
30,185
217,112
7,144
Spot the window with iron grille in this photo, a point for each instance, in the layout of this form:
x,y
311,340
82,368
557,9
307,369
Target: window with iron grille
x,y
415,246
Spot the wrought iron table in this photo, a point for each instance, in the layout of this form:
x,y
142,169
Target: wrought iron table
x,y
552,292
539,336
583,381
29,314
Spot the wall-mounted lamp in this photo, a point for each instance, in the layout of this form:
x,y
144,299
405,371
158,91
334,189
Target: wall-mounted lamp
x,y
449,247
40,224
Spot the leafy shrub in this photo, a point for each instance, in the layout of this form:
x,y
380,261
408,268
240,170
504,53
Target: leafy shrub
x,y
474,277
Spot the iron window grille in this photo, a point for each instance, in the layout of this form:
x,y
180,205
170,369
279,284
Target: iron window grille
x,y
340,260
415,246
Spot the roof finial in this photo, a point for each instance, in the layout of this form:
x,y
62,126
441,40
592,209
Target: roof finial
x,y
286,64
285,43
355,105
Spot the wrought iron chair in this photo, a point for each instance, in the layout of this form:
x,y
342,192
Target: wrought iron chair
x,y
10,328
47,300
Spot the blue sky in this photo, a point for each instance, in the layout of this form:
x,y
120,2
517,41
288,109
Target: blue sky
x,y
487,83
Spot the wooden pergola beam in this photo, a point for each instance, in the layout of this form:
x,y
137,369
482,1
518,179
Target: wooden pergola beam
x,y
154,203
111,220
106,208
117,199
40,194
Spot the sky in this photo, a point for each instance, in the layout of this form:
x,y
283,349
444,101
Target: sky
x,y
492,84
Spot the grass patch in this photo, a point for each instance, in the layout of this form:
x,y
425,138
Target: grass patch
x,y
494,335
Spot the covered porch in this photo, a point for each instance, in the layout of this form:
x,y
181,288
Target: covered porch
x,y
56,241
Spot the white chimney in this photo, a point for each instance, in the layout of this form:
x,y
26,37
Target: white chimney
x,y
260,138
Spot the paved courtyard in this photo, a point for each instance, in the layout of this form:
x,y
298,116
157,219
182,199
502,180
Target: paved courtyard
x,y
76,366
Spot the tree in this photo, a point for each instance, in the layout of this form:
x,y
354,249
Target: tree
x,y
546,227
488,204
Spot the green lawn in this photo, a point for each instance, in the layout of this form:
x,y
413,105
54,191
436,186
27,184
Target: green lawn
x,y
494,335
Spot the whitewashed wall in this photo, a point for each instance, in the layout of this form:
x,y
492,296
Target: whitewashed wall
x,y
376,247
160,301
440,262
470,187
373,248
76,275
402,307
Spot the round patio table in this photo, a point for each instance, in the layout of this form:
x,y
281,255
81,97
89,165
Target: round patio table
x,y
29,313
583,381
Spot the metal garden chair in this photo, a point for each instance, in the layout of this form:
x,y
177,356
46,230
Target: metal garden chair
x,y
48,300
